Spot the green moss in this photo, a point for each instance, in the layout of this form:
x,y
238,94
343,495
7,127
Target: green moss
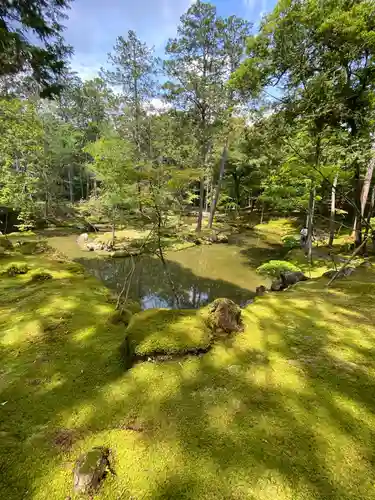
x,y
283,410
158,331
275,267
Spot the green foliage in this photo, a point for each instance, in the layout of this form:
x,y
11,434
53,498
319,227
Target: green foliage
x,y
273,268
290,242
45,59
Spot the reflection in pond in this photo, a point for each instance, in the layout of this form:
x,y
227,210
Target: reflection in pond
x,y
199,274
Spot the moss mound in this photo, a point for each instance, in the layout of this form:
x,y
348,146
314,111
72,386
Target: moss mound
x,y
166,331
15,268
39,276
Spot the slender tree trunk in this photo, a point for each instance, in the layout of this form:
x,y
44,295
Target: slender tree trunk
x,y
81,182
367,182
363,197
201,205
262,214
357,226
95,186
369,215
87,186
70,181
310,225
333,211
223,162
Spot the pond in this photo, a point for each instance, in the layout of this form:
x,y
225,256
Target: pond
x,y
199,274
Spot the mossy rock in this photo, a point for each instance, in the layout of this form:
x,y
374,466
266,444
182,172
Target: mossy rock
x,y
16,268
90,469
166,332
224,315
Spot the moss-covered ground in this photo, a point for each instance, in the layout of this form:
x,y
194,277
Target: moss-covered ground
x,y
285,409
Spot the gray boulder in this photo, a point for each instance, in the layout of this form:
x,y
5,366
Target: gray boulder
x,y
288,279
90,469
342,273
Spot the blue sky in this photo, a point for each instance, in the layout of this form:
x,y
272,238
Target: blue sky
x,y
94,25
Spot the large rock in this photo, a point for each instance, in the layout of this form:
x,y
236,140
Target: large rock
x,y
82,239
342,273
287,279
224,315
90,469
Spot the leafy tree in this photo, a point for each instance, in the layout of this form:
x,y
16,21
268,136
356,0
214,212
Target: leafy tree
x,y
320,54
45,60
21,146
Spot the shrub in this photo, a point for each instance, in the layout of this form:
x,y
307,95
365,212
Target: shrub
x,y
40,276
273,268
123,316
290,242
32,247
16,268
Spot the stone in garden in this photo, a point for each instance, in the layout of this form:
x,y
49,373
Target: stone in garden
x,y
342,273
277,285
82,239
90,469
225,315
260,290
291,278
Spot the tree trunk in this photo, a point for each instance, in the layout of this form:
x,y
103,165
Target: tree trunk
x,y
81,182
310,225
367,182
201,205
363,198
87,186
95,185
70,180
369,216
357,226
223,161
333,211
262,214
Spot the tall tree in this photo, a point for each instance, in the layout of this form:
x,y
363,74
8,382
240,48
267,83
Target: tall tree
x,y
195,66
134,72
234,34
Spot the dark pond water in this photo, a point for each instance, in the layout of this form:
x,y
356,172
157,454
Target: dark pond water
x,y
199,274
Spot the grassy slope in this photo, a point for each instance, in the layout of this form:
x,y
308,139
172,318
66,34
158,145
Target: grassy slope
x,y
284,410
